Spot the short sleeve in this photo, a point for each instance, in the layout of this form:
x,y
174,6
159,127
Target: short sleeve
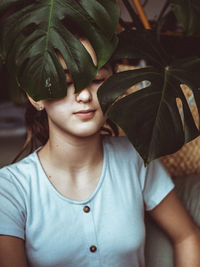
x,y
153,183
156,184
12,211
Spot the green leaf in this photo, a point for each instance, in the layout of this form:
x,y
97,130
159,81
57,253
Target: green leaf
x,y
118,83
187,13
32,34
6,4
144,124
150,117
141,44
187,72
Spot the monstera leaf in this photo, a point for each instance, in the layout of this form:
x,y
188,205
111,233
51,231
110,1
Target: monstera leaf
x,y
188,14
150,116
34,31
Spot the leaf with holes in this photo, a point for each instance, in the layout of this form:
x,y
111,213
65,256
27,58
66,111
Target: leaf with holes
x,y
150,117
33,32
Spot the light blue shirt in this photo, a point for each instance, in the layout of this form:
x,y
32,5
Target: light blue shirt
x,y
59,233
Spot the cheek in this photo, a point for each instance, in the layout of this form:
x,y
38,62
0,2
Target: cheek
x,y
57,113
102,119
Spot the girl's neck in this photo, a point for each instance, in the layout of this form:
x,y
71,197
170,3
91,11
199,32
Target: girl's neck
x,y
72,154
74,166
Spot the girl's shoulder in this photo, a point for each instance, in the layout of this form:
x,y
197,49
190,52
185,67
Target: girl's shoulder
x,y
120,145
121,151
118,142
21,170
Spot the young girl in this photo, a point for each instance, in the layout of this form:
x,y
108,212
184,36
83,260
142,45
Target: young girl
x,y
79,200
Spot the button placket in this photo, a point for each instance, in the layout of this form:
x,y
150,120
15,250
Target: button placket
x,y
89,229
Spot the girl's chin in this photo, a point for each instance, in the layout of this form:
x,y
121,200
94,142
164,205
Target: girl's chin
x,y
87,132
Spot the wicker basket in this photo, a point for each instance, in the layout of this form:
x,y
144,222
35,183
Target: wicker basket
x,y
187,159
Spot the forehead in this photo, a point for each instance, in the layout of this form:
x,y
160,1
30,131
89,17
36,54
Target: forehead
x,y
90,50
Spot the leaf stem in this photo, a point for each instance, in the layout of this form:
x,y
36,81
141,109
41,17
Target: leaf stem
x,y
49,24
164,88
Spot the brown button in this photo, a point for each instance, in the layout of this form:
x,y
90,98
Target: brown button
x,y
93,249
86,209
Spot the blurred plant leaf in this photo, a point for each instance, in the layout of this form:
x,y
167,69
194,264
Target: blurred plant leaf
x,y
187,13
6,4
35,30
9,89
141,44
167,22
150,117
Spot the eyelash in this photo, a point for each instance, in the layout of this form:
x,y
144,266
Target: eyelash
x,y
96,81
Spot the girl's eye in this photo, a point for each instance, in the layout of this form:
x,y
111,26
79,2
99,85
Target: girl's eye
x,y
99,80
96,81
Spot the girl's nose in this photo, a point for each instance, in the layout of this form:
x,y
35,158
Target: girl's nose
x,y
84,96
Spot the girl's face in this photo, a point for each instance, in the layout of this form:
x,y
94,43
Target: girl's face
x,y
79,114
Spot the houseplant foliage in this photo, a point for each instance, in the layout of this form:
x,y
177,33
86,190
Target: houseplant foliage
x,y
187,13
33,31
150,117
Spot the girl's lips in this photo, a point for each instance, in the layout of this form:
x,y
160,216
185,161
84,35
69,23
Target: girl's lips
x,y
85,114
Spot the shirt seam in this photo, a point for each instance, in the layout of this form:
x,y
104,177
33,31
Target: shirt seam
x,y
19,191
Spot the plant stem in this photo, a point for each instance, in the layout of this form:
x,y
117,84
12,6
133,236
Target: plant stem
x,y
141,14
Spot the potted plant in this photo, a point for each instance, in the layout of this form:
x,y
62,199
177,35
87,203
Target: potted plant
x,y
32,32
150,117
